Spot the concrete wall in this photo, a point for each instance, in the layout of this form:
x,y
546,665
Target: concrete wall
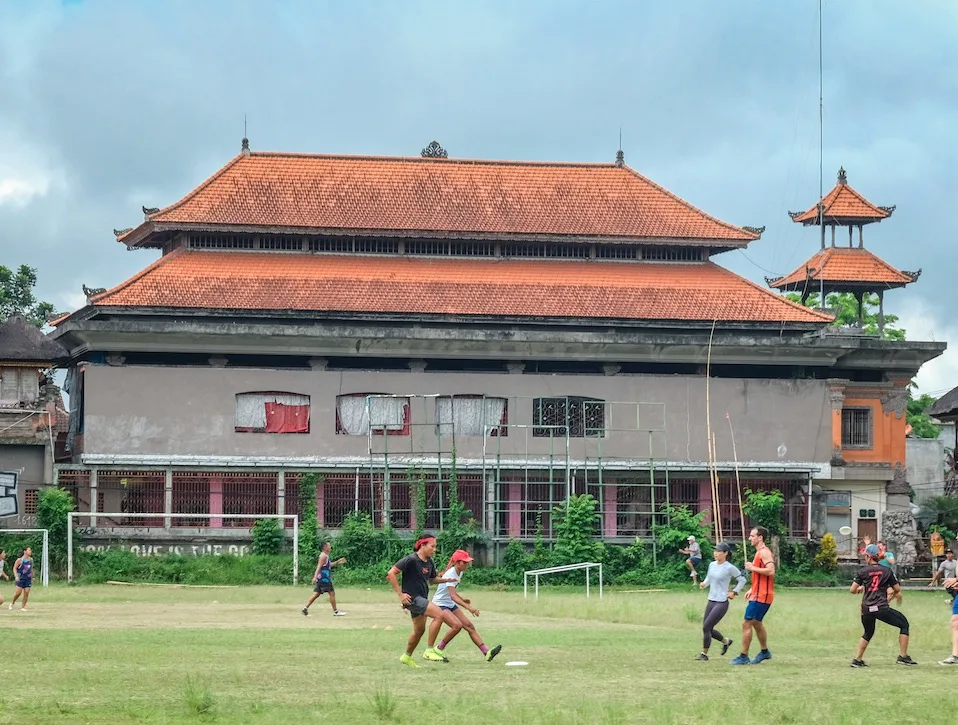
x,y
176,411
28,462
925,469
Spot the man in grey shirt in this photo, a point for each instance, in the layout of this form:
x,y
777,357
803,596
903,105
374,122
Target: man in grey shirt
x,y
946,570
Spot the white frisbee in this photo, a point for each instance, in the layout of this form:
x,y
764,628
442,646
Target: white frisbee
x,y
845,530
516,663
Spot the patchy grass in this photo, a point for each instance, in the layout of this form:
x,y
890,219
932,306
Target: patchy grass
x,y
119,655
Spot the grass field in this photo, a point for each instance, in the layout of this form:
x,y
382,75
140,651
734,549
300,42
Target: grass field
x,y
109,654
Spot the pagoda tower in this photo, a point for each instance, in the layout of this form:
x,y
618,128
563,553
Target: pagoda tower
x,y
838,268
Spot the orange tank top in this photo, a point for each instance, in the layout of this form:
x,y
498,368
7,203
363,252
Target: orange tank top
x,y
763,585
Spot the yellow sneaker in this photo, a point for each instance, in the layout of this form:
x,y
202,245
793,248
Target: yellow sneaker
x,y
409,661
434,655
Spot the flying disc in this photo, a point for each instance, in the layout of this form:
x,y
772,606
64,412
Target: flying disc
x,y
516,663
845,530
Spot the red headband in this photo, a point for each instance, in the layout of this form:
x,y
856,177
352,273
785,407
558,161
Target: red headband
x,y
422,541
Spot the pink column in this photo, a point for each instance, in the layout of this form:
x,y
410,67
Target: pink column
x,y
610,502
321,502
705,499
515,509
216,501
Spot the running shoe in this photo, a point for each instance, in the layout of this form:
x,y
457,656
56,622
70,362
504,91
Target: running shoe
x,y
702,657
741,660
491,654
761,657
906,660
951,660
339,613
859,663
725,645
408,661
305,611
434,655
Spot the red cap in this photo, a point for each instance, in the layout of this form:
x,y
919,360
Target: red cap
x,y
460,555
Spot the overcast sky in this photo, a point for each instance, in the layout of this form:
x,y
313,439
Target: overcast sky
x,y
107,105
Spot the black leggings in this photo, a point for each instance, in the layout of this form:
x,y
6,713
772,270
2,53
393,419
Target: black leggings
x,y
714,611
886,615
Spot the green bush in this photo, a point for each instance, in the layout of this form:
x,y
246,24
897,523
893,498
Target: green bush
x,y
826,559
765,508
267,537
308,520
364,545
97,567
53,505
576,524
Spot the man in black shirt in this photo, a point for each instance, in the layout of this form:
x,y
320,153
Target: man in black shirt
x,y
418,572
874,581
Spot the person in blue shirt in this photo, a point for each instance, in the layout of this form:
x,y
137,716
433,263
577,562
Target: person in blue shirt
x,y
23,576
323,580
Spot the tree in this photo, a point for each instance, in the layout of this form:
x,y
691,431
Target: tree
x,y
845,307
17,298
918,418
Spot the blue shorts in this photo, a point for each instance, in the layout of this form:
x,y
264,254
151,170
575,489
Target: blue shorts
x,y
24,583
756,611
447,608
954,606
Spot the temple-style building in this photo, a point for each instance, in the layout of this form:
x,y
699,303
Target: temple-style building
x,y
544,328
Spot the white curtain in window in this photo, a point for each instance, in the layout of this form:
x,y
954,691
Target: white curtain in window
x,y
468,416
382,412
251,407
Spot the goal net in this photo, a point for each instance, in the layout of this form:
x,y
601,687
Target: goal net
x,y
204,518
536,573
13,553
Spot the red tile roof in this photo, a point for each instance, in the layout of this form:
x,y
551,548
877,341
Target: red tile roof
x,y
843,205
849,265
190,279
356,194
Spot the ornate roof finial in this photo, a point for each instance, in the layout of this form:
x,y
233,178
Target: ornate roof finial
x,y
842,176
620,158
434,151
245,148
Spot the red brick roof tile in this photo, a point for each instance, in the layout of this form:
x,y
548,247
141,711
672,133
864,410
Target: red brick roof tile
x,y
190,279
353,194
843,205
849,265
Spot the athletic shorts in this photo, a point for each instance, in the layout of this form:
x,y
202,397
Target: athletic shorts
x,y
24,583
323,587
756,611
695,560
447,608
954,606
417,607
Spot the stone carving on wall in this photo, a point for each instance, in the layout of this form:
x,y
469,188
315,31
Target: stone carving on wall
x,y
836,397
899,482
895,401
900,532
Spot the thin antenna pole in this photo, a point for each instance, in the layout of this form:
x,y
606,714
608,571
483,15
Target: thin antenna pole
x,y
244,126
821,156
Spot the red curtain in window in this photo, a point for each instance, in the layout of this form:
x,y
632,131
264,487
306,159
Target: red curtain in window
x,y
282,418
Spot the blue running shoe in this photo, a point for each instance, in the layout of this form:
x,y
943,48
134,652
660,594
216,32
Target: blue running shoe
x,y
740,660
761,657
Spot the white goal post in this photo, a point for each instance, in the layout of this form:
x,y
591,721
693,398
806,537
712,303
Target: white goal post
x,y
86,514
536,573
44,554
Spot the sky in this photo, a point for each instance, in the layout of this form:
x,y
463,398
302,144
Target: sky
x,y
110,105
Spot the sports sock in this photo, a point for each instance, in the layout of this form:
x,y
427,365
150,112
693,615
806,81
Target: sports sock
x,y
483,648
442,645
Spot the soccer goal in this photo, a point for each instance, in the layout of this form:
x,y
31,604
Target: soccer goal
x,y
536,573
44,554
105,514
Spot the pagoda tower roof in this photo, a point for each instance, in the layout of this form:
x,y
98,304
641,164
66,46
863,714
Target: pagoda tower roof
x,y
843,269
843,206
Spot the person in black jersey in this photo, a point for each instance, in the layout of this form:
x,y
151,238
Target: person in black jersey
x,y
874,582
418,572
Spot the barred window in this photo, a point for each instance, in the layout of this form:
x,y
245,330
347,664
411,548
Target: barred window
x,y
857,428
575,416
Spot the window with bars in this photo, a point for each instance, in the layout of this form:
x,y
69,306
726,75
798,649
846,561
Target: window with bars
x,y
331,244
857,428
375,245
30,497
577,417
559,251
616,251
427,246
672,254
472,249
221,241
281,243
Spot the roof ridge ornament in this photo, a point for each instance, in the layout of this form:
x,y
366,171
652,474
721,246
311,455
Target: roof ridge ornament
x,y
120,232
244,148
434,151
842,176
758,231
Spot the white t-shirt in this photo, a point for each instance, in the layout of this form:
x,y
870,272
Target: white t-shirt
x,y
442,597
